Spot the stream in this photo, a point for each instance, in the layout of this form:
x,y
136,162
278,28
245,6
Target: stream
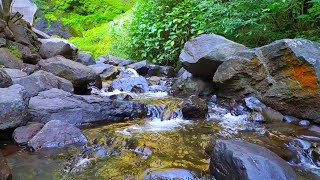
x,y
164,144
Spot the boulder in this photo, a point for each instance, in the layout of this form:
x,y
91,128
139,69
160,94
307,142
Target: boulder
x,y
284,75
40,34
141,67
8,60
161,71
127,72
30,68
187,84
116,61
5,172
202,56
5,79
194,107
106,71
19,33
74,109
42,81
13,106
85,59
235,159
27,55
15,73
24,134
272,115
79,74
131,84
53,47
57,134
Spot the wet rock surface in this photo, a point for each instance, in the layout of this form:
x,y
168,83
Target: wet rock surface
x,y
131,84
57,134
234,159
74,109
85,59
5,172
194,107
14,102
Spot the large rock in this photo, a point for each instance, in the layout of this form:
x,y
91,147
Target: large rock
x,y
27,55
161,71
54,46
13,106
194,107
234,159
74,109
141,67
5,79
15,73
42,81
284,75
85,59
8,60
22,135
131,84
106,71
116,61
202,56
79,74
5,172
57,134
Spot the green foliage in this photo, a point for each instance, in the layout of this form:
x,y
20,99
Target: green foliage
x,y
15,52
160,27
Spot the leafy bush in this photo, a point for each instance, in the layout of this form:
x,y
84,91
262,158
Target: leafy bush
x,y
160,27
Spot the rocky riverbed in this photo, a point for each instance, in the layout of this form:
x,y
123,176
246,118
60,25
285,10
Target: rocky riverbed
x,y
230,113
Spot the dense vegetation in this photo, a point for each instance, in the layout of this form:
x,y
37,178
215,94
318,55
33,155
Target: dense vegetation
x,y
157,29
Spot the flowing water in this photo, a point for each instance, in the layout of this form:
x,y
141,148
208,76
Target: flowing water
x,y
165,143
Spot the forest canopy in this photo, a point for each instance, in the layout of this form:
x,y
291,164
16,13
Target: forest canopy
x,y
156,30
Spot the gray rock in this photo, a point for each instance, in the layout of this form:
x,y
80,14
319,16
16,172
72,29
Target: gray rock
x,y
8,60
257,117
291,119
106,71
167,174
116,61
5,79
202,56
194,107
5,172
53,47
74,109
127,72
304,123
13,107
15,73
254,104
272,115
57,134
141,67
131,84
19,33
79,74
315,129
28,56
3,42
284,75
234,159
42,81
40,34
85,59
24,134
161,71
30,68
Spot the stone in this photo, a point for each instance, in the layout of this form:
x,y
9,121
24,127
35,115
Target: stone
x,y
19,33
127,72
272,115
30,68
42,81
40,34
254,104
106,71
53,47
79,74
8,60
27,55
304,123
194,107
5,172
161,71
57,134
284,75
116,61
202,56
257,117
5,79
15,73
75,109
186,84
291,120
315,129
235,159
85,59
13,106
22,135
131,84
141,67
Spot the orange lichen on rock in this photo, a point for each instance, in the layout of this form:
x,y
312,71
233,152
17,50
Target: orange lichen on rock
x,y
306,76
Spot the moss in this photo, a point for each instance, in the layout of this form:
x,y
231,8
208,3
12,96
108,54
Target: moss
x,y
15,52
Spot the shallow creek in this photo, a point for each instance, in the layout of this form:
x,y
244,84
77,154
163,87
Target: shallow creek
x,y
163,143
